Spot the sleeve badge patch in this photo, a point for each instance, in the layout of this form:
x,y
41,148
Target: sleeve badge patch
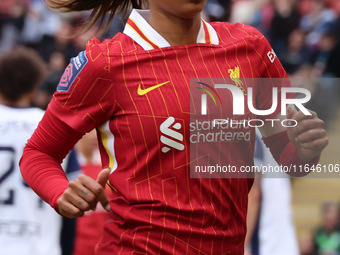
x,y
72,71
271,55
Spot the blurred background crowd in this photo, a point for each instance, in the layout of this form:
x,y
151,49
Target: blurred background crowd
x,y
32,24
305,35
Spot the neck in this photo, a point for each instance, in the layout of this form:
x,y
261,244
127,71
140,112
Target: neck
x,y
175,30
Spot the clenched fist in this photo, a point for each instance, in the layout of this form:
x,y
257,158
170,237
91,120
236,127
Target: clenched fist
x,y
308,136
83,194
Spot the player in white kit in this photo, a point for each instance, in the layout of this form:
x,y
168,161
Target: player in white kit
x,y
275,230
28,226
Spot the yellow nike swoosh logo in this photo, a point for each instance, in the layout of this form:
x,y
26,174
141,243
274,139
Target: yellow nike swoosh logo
x,y
142,92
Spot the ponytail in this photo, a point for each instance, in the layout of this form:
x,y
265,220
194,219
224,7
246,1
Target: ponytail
x,y
99,9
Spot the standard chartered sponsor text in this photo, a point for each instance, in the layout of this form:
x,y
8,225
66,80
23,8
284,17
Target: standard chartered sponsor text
x,y
209,131
220,130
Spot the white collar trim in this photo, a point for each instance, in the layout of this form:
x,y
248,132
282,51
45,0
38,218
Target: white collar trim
x,y
148,38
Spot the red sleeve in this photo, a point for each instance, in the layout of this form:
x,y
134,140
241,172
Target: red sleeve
x,y
85,97
271,74
83,101
285,153
42,156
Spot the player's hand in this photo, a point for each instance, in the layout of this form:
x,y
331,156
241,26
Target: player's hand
x,y
83,194
308,136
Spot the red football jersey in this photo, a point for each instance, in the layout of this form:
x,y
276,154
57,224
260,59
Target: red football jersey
x,y
135,89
